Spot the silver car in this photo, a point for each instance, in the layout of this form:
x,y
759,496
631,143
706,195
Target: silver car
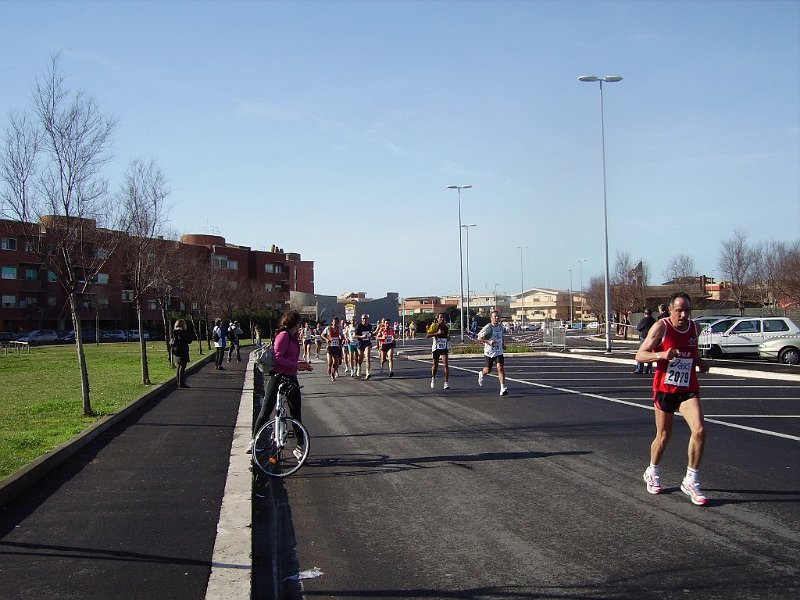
x,y
743,335
784,349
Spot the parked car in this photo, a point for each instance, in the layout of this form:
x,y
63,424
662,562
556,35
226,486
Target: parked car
x,y
736,336
593,325
133,335
115,335
707,320
39,336
87,335
785,349
8,336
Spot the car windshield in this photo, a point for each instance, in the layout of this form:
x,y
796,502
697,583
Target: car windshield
x,y
722,326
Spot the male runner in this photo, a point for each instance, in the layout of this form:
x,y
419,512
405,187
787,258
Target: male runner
x,y
333,337
492,337
364,336
440,349
672,342
308,340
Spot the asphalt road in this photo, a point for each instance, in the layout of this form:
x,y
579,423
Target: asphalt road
x,y
419,493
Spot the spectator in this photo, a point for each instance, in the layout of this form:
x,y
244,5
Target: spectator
x,y
234,334
180,351
643,327
218,336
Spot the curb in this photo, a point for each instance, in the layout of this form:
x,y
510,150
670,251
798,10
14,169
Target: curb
x,y
22,480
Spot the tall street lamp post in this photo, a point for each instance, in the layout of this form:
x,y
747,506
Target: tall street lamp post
x,y
606,79
522,285
571,318
466,229
460,252
580,262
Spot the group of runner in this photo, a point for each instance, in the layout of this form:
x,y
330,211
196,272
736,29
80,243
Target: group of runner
x,y
671,342
351,343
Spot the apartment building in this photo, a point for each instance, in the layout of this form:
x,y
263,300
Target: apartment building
x,y
31,297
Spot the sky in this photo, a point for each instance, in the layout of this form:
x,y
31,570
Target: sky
x,y
332,128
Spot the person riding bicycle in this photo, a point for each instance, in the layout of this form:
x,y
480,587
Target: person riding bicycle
x,y
287,363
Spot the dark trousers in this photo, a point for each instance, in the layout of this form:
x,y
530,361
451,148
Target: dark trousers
x,y
271,398
234,346
220,355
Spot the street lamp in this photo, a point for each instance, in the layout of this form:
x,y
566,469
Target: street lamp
x,y
606,79
580,262
466,229
522,285
460,252
571,318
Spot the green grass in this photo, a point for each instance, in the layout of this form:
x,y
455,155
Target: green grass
x,y
42,406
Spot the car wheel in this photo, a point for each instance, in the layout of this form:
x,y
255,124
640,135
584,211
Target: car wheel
x,y
715,352
789,356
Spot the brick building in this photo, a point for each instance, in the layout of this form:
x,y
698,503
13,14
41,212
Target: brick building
x,y
31,297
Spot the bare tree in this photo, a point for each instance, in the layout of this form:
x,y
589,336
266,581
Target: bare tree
x,y
595,297
779,272
628,284
737,263
143,196
51,170
680,269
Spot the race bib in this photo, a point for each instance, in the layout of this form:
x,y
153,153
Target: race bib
x,y
334,342
441,343
679,372
388,339
365,336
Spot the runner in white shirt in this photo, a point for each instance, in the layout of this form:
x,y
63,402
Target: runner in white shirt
x,y
440,333
333,336
492,337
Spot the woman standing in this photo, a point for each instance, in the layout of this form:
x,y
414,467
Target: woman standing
x,y
287,364
180,351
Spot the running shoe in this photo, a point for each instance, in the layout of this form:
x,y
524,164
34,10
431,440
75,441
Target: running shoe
x,y
433,382
381,369
653,481
446,386
367,376
332,377
694,492
480,378
250,447
298,453
352,374
391,373
503,391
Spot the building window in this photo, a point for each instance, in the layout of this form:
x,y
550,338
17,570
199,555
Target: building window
x,y
268,287
152,305
9,273
28,301
272,268
101,253
52,301
9,301
233,265
103,302
8,243
102,278
51,277
31,274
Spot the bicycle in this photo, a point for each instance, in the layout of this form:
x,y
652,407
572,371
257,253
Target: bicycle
x,y
281,446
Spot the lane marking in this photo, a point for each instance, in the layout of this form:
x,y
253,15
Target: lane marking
x,y
624,402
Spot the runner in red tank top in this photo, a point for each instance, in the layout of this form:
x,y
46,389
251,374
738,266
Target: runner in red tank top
x,y
673,343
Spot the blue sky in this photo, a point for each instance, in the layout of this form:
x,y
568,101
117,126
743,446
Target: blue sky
x,y
332,128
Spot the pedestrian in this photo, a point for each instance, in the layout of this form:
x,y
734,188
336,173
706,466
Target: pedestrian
x,y
286,348
412,330
492,337
440,333
234,334
663,312
643,327
386,345
180,351
673,343
257,330
307,335
218,335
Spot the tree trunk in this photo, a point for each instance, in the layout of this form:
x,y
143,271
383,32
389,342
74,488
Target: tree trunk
x,y
76,323
142,347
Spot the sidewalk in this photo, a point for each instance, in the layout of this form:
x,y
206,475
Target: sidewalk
x,y
134,514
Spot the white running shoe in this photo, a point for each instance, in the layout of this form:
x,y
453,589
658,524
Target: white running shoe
x,y
694,492
250,447
503,390
446,386
480,378
653,481
433,382
298,454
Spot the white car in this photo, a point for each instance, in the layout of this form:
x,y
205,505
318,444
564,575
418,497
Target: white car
x,y
736,336
39,336
785,349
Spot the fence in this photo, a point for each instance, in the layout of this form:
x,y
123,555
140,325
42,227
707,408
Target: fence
x,y
20,347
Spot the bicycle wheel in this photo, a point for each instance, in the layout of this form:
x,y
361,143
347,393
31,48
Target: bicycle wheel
x,y
281,460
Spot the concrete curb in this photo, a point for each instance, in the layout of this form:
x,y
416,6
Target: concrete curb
x,y
19,482
231,563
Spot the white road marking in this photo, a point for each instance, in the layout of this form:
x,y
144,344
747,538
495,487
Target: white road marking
x,y
630,403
